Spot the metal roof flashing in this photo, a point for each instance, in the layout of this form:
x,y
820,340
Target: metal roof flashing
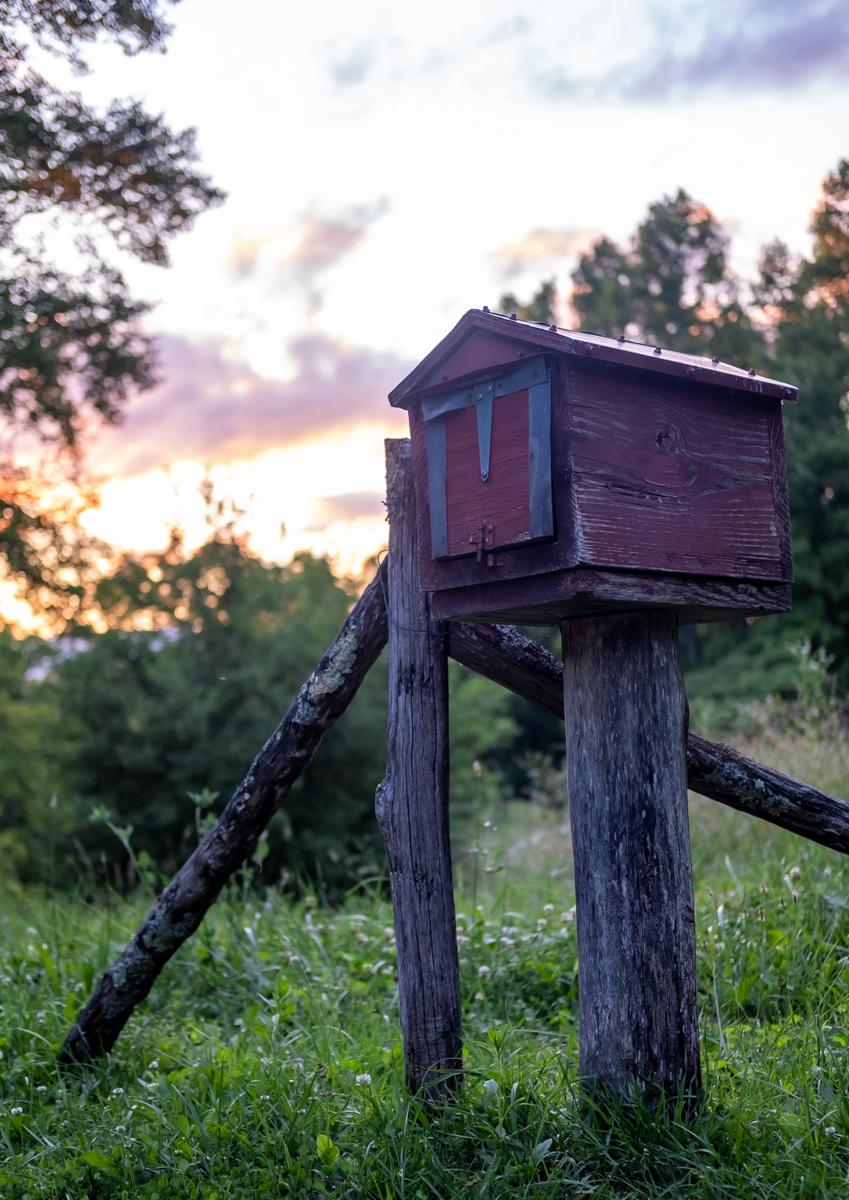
x,y
617,352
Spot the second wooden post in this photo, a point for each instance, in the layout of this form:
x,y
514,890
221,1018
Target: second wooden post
x,y
626,733
412,804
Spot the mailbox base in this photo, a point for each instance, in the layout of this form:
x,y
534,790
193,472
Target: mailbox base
x,y
586,591
626,729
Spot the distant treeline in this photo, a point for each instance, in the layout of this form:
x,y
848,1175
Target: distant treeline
x,y
155,720
156,727
672,285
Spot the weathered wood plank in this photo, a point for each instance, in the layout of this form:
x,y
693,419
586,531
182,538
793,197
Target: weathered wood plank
x,y
626,732
582,591
520,561
670,478
713,769
183,904
503,500
412,805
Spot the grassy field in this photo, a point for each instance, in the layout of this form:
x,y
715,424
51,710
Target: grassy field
x,y
267,1061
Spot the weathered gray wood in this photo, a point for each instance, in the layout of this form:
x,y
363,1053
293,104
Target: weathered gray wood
x,y
412,805
499,653
626,733
713,769
724,774
182,905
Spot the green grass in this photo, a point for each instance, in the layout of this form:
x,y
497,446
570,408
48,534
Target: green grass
x,y
243,1075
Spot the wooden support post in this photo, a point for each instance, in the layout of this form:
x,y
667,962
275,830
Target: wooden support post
x,y
412,804
626,748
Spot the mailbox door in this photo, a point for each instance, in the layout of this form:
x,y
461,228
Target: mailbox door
x,y
489,463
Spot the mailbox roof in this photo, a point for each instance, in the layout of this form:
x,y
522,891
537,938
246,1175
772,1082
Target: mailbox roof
x,y
631,355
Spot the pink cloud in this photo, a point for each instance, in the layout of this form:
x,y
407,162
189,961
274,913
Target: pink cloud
x,y
347,506
214,409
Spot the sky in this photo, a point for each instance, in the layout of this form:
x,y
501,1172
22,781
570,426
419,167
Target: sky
x,y
388,167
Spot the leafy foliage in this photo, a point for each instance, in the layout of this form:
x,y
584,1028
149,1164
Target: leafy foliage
x,y
539,308
204,654
673,286
72,347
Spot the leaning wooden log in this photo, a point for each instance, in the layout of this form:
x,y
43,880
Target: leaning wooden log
x,y
182,905
723,774
713,769
412,805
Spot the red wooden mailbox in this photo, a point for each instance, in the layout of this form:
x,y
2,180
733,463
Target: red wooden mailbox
x,y
561,474
615,489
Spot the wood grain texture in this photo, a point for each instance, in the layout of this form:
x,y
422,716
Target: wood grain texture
x,y
502,501
723,774
649,474
781,498
669,477
713,769
480,351
552,598
412,805
626,730
181,907
521,561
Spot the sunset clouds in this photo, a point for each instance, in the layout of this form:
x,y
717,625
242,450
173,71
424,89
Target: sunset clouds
x,y
388,168
213,407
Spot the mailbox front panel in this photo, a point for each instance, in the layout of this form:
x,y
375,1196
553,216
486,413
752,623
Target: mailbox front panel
x,y
495,512
489,464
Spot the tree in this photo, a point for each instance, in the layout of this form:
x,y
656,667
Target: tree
x,y
807,302
539,308
72,346
671,286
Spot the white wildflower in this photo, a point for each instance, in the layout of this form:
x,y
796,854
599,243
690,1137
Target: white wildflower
x,y
548,909
479,997
16,1112
795,873
363,1080
541,923
483,971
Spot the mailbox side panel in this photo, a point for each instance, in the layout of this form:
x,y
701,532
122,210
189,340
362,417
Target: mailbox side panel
x,y
668,476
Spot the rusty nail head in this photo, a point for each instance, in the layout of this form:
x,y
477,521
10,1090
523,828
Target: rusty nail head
x,y
658,350
715,360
